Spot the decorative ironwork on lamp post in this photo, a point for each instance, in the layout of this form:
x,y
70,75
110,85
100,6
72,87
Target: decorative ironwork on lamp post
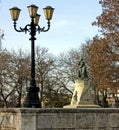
x,y
32,97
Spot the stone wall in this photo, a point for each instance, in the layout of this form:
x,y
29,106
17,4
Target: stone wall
x,y
8,119
59,119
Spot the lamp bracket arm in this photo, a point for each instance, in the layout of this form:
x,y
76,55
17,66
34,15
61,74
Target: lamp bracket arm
x,y
38,28
25,29
15,27
43,28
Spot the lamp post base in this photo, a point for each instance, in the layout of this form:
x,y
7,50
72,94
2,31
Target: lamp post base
x,y
32,98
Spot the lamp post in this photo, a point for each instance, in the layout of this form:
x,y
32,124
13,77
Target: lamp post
x,y
32,98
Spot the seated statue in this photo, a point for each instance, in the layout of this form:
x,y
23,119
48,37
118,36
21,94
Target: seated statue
x,y
83,90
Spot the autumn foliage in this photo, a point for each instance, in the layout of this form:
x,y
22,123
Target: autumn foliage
x,y
104,51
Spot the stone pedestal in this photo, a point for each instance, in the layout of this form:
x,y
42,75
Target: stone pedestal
x,y
83,95
78,90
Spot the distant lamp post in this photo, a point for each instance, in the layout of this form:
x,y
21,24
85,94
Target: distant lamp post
x,y
32,98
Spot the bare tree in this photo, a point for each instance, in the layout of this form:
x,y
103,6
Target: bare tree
x,y
44,66
21,72
7,87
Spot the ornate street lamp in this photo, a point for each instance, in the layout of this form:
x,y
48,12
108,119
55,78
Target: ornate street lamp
x,y
32,98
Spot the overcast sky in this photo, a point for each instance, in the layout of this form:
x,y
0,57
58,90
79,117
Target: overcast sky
x,y
70,26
